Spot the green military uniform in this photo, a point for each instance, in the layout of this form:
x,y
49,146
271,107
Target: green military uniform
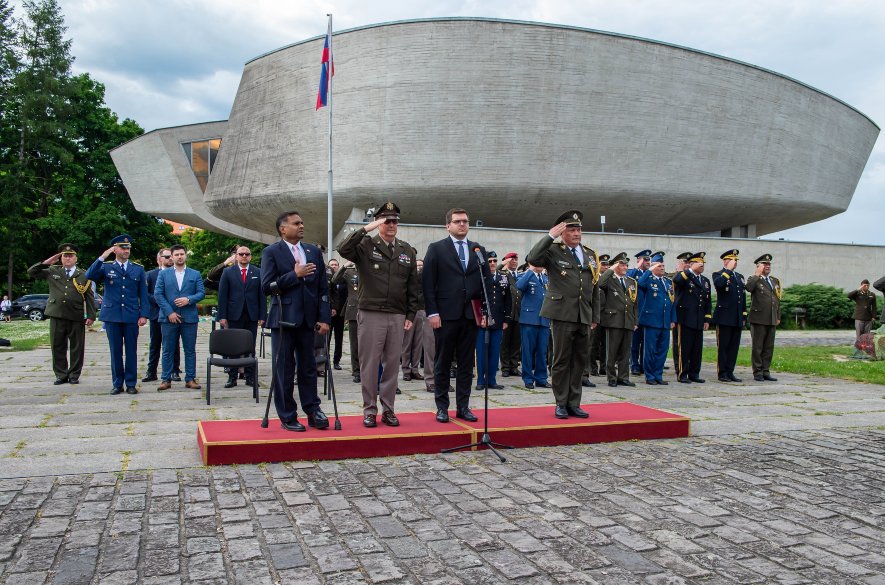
x,y
388,296
510,339
674,343
571,303
71,302
765,315
350,276
597,336
618,313
864,309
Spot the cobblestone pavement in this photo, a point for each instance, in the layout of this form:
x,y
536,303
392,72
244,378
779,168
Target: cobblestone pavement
x,y
781,483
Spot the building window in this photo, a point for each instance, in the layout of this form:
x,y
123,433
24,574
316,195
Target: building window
x,y
201,156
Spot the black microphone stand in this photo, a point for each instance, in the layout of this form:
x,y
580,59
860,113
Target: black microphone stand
x,y
274,354
486,440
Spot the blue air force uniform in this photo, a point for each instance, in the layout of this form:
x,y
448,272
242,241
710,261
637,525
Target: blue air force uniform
x,y
125,302
729,316
501,305
638,340
534,330
656,313
693,306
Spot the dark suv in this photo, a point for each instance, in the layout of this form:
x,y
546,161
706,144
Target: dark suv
x,y
31,306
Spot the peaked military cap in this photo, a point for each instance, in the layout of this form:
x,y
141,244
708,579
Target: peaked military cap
x,y
657,257
571,218
604,259
697,257
387,209
68,248
510,255
491,254
763,259
642,254
730,254
122,240
621,258
684,256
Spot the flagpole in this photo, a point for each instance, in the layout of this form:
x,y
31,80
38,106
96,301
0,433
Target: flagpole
x,y
329,244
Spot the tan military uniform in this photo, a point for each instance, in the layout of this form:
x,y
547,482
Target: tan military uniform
x,y
765,314
571,303
388,296
618,313
71,302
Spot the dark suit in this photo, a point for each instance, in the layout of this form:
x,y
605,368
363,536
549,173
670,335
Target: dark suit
x,y
243,305
448,290
303,302
730,315
156,343
338,294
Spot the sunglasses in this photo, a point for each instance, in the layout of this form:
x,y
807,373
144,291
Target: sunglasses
x,y
391,221
244,253
123,247
166,257
492,260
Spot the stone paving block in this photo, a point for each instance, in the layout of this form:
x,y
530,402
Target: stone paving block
x,y
77,566
286,556
159,562
118,578
510,564
118,553
36,555
29,578
197,545
53,526
332,558
204,566
254,571
243,549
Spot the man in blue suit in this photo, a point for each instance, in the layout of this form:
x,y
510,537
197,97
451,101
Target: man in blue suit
x,y
124,309
241,304
730,314
177,292
164,261
657,316
534,329
295,273
643,258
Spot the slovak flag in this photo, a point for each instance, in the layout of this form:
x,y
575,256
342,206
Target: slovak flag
x,y
327,71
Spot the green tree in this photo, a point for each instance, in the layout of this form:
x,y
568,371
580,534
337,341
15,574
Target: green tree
x,y
826,307
207,249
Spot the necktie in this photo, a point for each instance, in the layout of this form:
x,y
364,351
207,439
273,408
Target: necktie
x,y
70,272
575,254
768,280
462,255
244,276
390,247
623,285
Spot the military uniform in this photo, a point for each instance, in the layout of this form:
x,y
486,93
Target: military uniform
x,y
765,316
864,310
388,296
597,337
511,340
534,329
70,303
571,303
693,305
638,342
500,307
125,303
656,315
729,316
618,313
352,279
674,342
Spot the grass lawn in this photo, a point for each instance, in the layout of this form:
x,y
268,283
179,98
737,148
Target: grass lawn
x,y
24,334
815,361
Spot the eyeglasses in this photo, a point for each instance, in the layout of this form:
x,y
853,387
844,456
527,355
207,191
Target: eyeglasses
x,y
166,257
244,253
391,221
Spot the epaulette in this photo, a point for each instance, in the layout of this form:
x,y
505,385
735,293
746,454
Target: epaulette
x,y
726,275
136,263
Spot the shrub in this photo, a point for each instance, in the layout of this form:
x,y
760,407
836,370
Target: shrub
x,y
826,307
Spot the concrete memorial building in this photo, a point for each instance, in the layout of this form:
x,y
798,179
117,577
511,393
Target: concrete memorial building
x,y
515,121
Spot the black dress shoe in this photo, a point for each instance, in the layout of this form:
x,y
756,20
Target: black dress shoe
x,y
733,379
505,373
59,381
116,391
613,384
318,420
496,387
150,378
131,390
684,380
293,426
625,383
769,378
231,382
543,385
651,382
480,387
407,377
467,415
251,382
758,377
73,381
430,389
724,379
176,377
398,391
635,372
356,378
530,385
578,412
594,372
369,421
337,366
560,412
601,371
663,382
696,380
515,372
442,415
586,383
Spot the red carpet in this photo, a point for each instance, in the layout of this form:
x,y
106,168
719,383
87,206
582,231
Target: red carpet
x,y
244,441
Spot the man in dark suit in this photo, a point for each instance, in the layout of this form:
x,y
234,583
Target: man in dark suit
x,y
338,299
693,317
452,278
241,304
295,273
164,261
730,314
178,291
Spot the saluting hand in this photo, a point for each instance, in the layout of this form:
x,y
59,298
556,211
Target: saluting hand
x,y
374,225
557,230
108,252
730,264
52,259
760,268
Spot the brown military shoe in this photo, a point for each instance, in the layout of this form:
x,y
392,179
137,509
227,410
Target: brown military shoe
x,y
193,385
164,385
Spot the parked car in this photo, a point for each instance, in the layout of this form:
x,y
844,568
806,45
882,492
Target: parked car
x,y
31,306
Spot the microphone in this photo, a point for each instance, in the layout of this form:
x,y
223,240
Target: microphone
x,y
478,253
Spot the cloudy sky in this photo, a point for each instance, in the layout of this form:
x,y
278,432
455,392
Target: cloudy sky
x,y
171,62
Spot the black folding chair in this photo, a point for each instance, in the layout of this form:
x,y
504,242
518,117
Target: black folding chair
x,y
264,333
237,349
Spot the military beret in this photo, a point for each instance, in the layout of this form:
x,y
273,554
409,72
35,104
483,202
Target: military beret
x,y
510,255
763,259
657,257
604,259
387,209
642,254
122,240
730,254
492,254
684,256
68,248
697,257
621,258
571,218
